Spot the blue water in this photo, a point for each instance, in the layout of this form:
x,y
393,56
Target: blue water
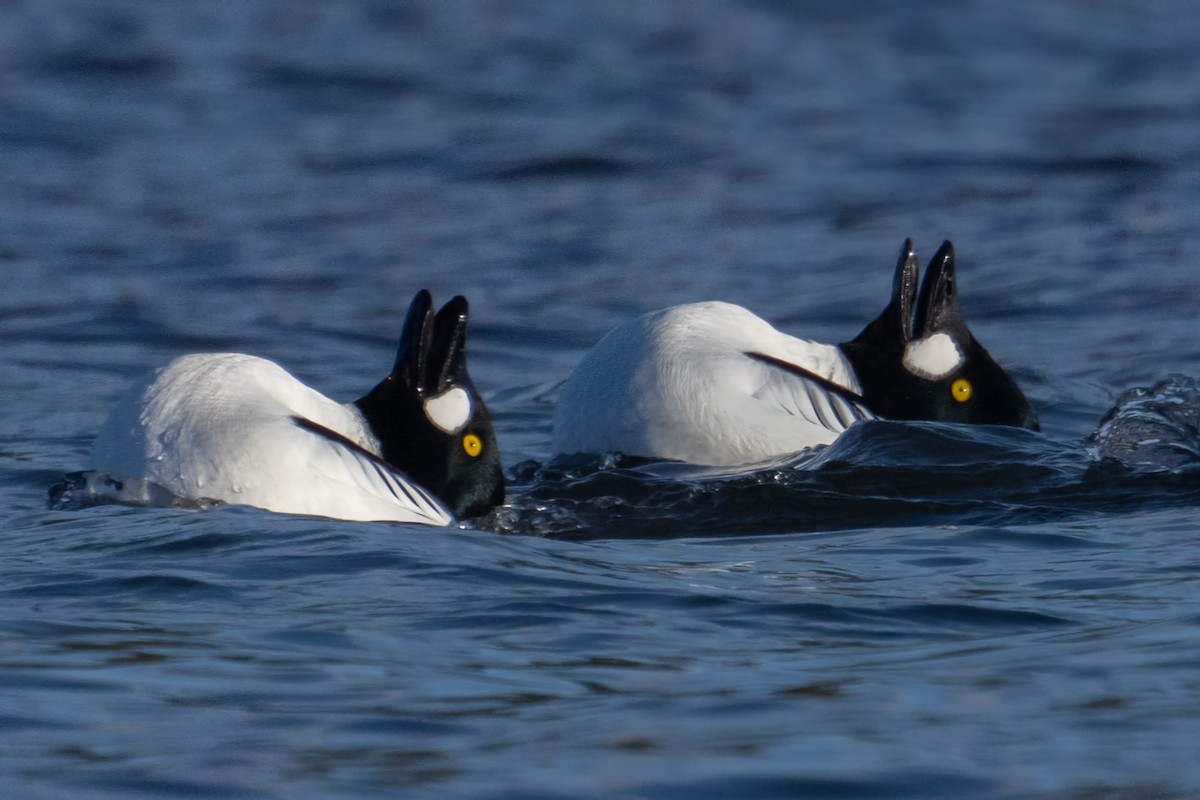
x,y
918,611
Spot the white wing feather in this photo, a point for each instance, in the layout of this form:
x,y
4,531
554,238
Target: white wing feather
x,y
682,384
224,427
360,485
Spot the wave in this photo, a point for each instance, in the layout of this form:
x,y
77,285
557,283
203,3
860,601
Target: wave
x,y
1144,454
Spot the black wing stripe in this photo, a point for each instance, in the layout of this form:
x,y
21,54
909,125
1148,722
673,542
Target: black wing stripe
x,y
392,478
393,485
820,406
847,413
848,395
386,482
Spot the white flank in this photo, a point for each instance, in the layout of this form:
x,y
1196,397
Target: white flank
x,y
678,384
933,357
450,410
224,427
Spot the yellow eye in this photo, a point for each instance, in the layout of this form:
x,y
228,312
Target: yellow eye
x,y
961,389
471,445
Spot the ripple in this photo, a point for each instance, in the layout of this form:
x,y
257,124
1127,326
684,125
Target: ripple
x,y
566,166
917,611
162,586
878,474
913,784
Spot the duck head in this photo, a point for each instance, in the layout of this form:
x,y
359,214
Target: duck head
x,y
919,361
431,423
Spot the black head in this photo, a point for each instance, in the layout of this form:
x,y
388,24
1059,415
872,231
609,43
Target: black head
x,y
919,361
431,422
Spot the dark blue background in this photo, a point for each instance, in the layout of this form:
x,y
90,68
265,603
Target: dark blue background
x,y
280,177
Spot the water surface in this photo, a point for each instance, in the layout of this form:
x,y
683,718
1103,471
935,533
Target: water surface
x,y
918,611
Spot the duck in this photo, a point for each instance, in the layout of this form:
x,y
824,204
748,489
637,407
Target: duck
x,y
713,384
419,447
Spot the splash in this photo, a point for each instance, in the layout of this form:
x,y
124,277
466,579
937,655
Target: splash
x,y
1152,430
79,490
1145,454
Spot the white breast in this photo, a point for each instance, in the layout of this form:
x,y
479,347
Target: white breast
x,y
678,384
221,426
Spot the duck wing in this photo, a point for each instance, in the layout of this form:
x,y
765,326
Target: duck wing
x,y
815,398
367,483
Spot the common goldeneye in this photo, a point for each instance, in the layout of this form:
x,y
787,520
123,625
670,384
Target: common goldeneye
x,y
711,383
418,447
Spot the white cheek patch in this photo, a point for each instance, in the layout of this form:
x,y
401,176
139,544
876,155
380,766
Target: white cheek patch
x,y
933,357
450,410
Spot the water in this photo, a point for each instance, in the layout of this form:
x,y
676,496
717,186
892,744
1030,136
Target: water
x,y
918,611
